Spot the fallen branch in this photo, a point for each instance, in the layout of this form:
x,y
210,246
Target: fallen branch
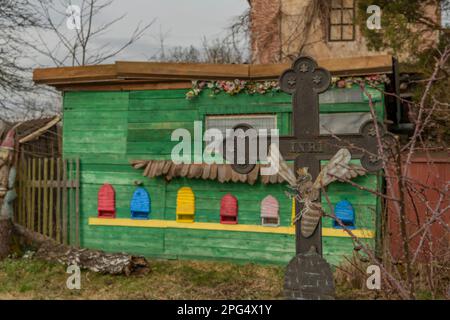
x,y
93,260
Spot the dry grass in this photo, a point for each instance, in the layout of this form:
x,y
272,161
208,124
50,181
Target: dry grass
x,y
350,279
177,279
34,279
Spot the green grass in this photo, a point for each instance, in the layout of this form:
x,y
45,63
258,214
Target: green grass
x,y
35,279
26,278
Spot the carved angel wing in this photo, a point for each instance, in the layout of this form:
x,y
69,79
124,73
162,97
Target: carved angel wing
x,y
339,167
277,161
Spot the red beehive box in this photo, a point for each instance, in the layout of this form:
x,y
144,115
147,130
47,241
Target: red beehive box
x,y
106,202
229,210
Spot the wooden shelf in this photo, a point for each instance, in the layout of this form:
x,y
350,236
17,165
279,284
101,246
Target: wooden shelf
x,y
326,232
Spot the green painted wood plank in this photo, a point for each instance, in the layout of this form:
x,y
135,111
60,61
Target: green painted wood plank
x,y
158,94
104,158
160,104
161,125
78,148
151,135
151,147
162,116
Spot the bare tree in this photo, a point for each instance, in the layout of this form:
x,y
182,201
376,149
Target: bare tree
x,y
239,35
232,48
415,258
29,24
16,18
414,254
80,45
219,50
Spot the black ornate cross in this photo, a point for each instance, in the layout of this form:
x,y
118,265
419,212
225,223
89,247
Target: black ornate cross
x,y
305,81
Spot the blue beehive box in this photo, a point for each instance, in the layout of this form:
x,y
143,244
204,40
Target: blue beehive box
x,y
140,204
344,211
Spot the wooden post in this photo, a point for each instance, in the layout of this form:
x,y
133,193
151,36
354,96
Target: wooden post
x,y
71,202
28,202
39,196
50,201
25,175
20,193
58,200
24,190
33,194
64,199
45,192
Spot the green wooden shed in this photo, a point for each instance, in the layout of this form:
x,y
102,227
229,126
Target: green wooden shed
x,y
118,120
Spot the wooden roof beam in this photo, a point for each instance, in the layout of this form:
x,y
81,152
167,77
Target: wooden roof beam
x,y
82,74
122,73
177,71
338,67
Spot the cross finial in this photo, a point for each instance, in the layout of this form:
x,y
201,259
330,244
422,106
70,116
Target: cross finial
x,y
304,68
305,80
305,73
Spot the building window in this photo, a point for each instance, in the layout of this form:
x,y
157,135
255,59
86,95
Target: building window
x,y
106,202
185,205
342,21
344,211
244,122
229,122
343,123
270,216
140,204
229,210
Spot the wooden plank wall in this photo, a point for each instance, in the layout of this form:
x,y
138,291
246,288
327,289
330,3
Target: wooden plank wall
x,y
107,129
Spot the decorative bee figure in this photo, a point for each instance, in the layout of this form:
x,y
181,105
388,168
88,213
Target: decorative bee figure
x,y
307,191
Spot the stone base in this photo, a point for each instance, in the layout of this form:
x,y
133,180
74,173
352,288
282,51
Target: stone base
x,y
309,277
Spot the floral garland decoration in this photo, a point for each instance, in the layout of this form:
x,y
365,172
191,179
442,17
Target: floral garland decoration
x,y
348,82
234,87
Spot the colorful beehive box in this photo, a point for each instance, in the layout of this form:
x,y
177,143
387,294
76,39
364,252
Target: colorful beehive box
x,y
229,210
270,216
140,206
185,205
344,211
106,202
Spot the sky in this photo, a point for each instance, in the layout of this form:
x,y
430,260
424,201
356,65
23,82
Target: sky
x,y
185,22
182,22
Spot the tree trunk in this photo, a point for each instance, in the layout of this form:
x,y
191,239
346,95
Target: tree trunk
x,y
94,260
6,231
7,179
